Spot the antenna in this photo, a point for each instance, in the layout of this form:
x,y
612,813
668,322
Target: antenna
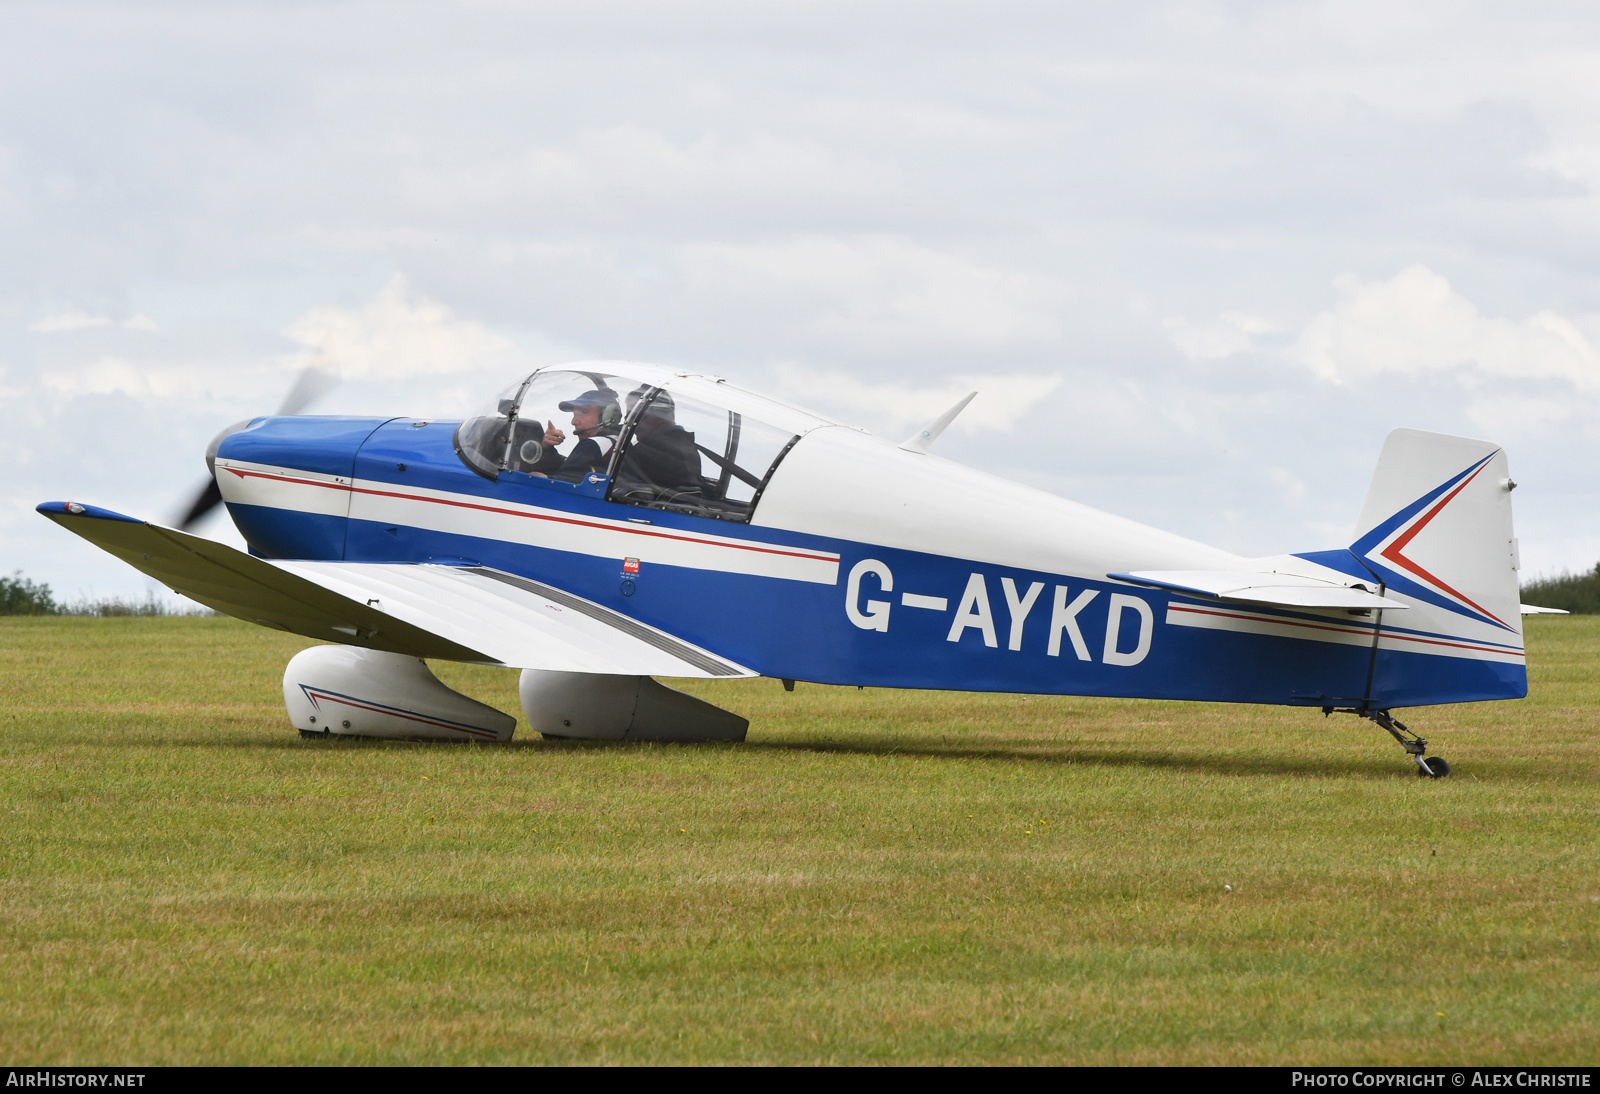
x,y
919,441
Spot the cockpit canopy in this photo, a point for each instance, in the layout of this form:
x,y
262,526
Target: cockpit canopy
x,y
648,446
520,429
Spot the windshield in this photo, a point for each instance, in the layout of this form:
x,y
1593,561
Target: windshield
x,y
555,424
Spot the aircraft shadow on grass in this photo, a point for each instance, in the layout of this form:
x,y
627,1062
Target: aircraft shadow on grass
x,y
1063,757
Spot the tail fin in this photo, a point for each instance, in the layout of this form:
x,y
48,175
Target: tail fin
x,y
1436,528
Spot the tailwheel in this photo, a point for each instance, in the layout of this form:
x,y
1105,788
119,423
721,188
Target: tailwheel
x,y
1428,767
1432,767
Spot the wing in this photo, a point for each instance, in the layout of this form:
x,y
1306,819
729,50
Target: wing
x,y
1533,609
1279,590
456,613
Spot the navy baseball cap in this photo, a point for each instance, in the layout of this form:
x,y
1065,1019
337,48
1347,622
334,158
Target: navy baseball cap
x,y
602,398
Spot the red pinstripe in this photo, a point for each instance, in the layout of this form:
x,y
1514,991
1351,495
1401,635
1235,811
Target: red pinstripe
x,y
378,708
533,516
1391,635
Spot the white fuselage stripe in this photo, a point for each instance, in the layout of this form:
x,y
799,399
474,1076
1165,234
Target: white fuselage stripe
x,y
1229,619
513,522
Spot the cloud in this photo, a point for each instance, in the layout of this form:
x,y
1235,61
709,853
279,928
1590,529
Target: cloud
x,y
1416,325
80,320
1002,399
399,335
882,293
645,181
1231,333
1294,491
72,320
115,376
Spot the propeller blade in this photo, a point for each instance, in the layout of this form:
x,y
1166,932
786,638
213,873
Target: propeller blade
x,y
209,498
312,384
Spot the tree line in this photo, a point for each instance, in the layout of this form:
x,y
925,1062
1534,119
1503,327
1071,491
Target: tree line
x,y
19,596
1578,593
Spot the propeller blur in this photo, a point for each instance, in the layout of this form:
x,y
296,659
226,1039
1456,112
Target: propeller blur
x,y
310,385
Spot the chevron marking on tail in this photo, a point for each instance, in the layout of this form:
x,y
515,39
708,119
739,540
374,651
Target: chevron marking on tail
x,y
1390,539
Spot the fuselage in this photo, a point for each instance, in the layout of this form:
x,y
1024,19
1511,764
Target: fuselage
x,y
860,563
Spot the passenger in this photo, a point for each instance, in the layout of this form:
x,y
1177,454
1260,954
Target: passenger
x,y
596,420
662,458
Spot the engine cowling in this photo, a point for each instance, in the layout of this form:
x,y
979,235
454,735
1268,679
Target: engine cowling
x,y
364,693
595,707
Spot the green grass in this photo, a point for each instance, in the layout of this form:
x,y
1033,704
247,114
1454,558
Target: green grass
x,y
876,876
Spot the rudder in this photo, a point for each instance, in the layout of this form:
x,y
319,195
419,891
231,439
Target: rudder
x,y
1436,529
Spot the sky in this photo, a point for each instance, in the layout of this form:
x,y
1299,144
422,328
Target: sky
x,y
1197,258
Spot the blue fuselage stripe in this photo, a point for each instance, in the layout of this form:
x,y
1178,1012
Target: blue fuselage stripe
x,y
953,631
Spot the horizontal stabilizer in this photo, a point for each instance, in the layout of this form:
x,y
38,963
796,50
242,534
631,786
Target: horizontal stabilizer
x,y
455,613
1280,590
1530,609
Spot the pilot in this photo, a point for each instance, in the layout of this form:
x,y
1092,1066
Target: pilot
x,y
662,453
596,421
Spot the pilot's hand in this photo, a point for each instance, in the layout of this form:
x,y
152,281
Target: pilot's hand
x,y
552,435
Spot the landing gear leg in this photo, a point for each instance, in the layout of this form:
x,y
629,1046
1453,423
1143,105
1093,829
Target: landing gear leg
x,y
1428,767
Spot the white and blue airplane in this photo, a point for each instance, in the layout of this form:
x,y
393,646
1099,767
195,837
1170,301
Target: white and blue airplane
x,y
604,523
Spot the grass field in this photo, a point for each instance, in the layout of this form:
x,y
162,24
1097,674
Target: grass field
x,y
876,876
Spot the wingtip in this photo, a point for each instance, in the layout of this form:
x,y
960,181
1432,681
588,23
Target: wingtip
x,y
59,509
